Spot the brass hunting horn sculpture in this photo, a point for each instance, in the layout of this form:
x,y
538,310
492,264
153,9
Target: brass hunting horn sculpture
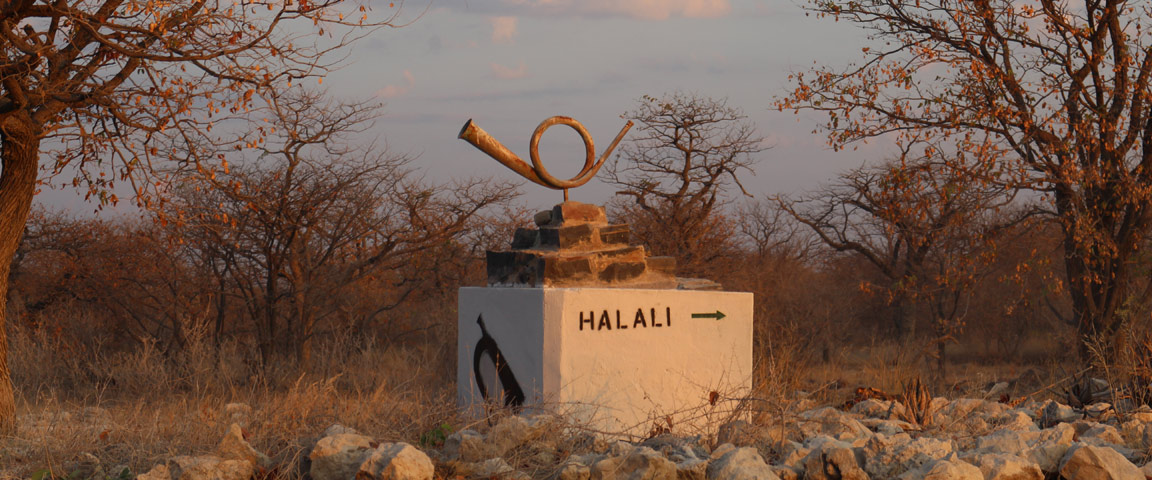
x,y
536,172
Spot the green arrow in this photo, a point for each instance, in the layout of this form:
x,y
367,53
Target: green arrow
x,y
718,315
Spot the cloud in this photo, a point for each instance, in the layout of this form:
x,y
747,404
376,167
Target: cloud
x,y
640,9
392,90
544,93
508,73
421,117
503,29
771,9
713,63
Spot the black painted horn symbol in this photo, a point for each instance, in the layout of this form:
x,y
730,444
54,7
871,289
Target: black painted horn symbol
x,y
513,394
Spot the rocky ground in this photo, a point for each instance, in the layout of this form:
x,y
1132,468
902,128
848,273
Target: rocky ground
x,y
958,439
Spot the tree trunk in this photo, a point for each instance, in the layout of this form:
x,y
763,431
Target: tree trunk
x,y
268,310
1093,290
305,318
903,321
304,343
1086,282
306,322
19,157
941,357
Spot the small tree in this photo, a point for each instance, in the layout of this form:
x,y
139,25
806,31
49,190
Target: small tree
x,y
678,167
770,231
923,224
796,299
290,231
129,276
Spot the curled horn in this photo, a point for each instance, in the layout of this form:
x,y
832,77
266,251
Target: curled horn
x,y
536,173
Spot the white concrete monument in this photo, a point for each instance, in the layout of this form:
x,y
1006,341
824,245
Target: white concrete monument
x,y
577,320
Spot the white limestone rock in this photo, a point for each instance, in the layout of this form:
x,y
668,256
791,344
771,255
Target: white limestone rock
x,y
574,471
493,468
938,404
691,461
834,461
640,463
584,459
875,408
1102,434
1001,466
832,422
158,472
1090,462
724,449
396,461
742,433
732,432
1016,421
740,464
209,468
338,457
1100,412
786,473
466,446
696,469
620,448
889,457
684,452
1043,447
962,408
235,447
577,467
1003,441
887,426
336,429
1049,446
973,426
1052,413
1136,434
944,469
817,442
674,445
509,433
792,455
1142,413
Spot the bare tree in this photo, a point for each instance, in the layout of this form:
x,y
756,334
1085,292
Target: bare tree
x,y
316,213
103,80
686,155
1055,93
770,231
133,281
797,298
923,224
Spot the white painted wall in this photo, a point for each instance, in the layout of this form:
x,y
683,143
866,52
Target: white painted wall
x,y
623,375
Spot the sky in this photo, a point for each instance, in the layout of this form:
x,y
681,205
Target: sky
x,y
509,64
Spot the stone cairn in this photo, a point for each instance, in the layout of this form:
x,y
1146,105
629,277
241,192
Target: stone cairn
x,y
575,246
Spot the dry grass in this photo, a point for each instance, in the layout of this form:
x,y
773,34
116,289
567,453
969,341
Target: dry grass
x,y
887,365
132,409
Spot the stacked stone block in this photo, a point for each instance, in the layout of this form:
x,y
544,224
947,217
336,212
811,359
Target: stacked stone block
x,y
575,246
